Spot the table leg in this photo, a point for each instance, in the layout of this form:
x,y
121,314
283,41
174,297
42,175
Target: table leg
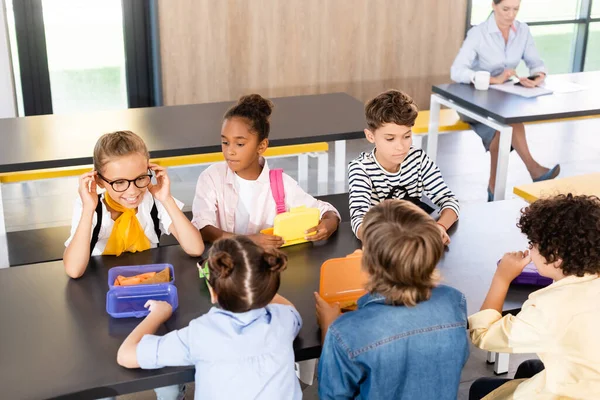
x,y
430,147
305,370
340,165
303,171
4,263
323,172
502,168
501,366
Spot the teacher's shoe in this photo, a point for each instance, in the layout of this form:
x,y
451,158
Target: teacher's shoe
x,y
490,195
551,174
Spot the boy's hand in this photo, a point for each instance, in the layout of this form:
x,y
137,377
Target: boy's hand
x,y
87,190
445,237
162,190
324,230
160,309
326,313
511,265
267,241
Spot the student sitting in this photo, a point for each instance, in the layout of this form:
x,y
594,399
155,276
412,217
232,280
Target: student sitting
x,y
131,213
559,322
241,349
407,340
235,197
395,169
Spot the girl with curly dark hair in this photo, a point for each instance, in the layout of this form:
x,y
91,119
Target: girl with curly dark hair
x,y
560,322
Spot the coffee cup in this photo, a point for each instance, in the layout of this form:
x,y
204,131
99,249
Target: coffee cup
x,y
481,80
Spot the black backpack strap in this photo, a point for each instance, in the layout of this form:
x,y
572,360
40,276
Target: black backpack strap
x,y
155,221
96,231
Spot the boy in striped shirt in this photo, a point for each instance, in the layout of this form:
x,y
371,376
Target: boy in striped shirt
x,y
395,169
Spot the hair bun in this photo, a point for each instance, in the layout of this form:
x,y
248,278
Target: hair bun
x,y
222,263
257,103
275,260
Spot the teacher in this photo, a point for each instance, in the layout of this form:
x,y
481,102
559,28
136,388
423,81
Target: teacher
x,y
498,45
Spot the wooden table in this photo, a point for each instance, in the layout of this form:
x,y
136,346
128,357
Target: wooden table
x,y
51,141
583,184
56,339
499,110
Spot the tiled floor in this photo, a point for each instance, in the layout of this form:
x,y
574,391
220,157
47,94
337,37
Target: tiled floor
x,y
465,166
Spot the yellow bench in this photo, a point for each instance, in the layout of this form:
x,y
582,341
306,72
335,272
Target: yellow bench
x,y
303,151
449,121
583,184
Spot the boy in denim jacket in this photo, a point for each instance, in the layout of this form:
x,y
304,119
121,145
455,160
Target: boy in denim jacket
x,y
407,339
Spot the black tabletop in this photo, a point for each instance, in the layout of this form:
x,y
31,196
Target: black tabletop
x,y
56,339
509,108
67,140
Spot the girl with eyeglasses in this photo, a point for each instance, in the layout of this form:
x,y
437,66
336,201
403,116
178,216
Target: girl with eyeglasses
x,y
132,212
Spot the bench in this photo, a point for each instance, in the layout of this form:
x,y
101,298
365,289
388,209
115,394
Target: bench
x,y
582,184
48,244
303,151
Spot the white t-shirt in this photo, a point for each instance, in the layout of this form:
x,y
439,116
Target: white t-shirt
x,y
143,216
247,191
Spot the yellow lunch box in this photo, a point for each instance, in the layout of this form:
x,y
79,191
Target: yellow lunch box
x,y
293,224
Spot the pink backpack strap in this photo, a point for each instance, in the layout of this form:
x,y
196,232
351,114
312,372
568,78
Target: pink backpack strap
x,y
276,179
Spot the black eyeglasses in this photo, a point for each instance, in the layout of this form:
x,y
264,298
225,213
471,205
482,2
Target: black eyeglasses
x,y
121,185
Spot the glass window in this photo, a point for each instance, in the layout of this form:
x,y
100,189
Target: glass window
x,y
595,8
592,53
531,10
86,56
556,45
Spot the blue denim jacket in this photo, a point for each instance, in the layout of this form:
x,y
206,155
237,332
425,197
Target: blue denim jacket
x,y
386,352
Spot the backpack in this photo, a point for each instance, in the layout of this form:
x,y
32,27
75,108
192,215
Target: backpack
x,y
96,232
277,190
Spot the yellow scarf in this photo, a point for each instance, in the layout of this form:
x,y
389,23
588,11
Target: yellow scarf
x,y
127,233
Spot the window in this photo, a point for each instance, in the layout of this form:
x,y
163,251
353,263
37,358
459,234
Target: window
x,y
592,58
565,31
83,55
596,9
86,55
556,46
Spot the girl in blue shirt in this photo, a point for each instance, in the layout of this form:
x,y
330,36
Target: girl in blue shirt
x,y
242,348
498,45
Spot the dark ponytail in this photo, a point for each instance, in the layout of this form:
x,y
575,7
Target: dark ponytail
x,y
256,110
243,275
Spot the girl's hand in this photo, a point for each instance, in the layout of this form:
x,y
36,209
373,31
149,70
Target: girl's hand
x,y
162,190
324,230
267,241
326,313
88,191
512,264
445,237
159,309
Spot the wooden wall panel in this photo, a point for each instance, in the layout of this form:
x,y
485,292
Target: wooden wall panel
x,y
215,50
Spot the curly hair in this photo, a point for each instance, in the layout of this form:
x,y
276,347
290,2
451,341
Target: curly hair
x,y
402,268
565,228
393,107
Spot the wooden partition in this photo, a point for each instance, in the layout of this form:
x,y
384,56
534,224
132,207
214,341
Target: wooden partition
x,y
215,50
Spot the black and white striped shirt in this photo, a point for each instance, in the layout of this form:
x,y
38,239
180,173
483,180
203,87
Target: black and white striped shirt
x,y
370,183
